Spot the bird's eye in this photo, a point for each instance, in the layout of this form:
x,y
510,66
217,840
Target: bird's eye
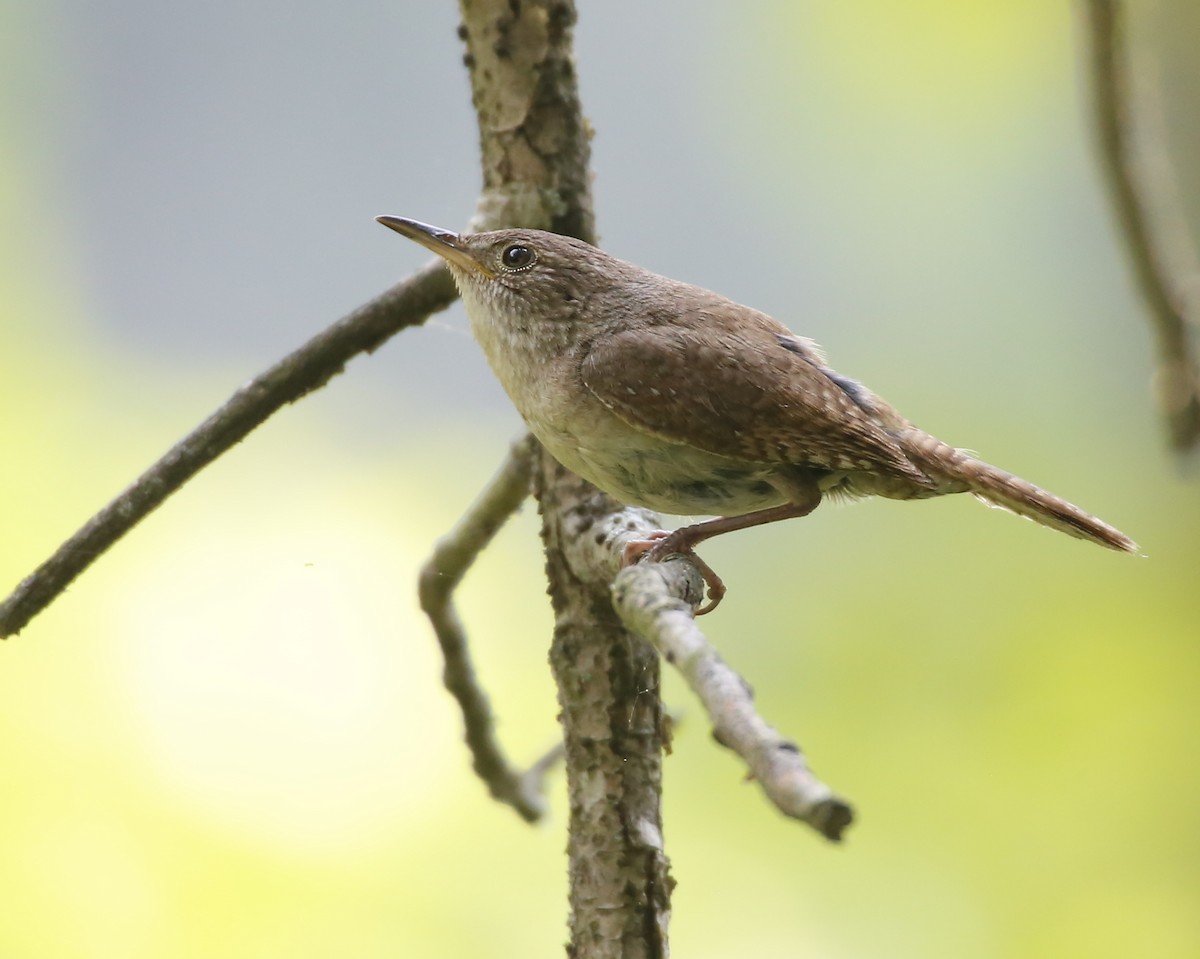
x,y
517,257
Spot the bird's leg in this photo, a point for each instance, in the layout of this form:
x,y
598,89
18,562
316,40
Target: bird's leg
x,y
683,541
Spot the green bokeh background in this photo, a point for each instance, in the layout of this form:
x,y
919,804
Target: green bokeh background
x,y
229,738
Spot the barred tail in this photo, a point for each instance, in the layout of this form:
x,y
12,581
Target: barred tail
x,y
998,488
995,487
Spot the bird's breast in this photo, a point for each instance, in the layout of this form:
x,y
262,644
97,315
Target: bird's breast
x,y
541,378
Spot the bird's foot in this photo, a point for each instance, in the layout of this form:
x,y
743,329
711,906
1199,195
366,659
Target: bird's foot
x,y
659,545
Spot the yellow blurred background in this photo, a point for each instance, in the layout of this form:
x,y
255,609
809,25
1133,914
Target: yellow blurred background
x,y
229,737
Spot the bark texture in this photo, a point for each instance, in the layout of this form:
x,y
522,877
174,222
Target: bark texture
x,y
535,153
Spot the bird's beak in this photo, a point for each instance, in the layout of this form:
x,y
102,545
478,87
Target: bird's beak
x,y
445,244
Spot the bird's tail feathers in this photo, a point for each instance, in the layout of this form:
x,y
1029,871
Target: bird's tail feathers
x,y
999,488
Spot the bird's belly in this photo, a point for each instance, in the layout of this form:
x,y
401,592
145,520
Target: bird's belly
x,y
667,477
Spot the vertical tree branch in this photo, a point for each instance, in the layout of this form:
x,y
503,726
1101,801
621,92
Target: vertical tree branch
x,y
533,140
1178,378
612,718
534,147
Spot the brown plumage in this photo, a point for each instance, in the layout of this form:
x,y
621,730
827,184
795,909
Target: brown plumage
x,y
670,396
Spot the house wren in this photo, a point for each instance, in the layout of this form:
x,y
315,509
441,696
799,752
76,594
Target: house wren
x,y
668,396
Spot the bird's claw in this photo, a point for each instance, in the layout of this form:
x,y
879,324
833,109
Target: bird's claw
x,y
658,547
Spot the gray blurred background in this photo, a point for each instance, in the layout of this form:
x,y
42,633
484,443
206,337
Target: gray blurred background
x,y
208,174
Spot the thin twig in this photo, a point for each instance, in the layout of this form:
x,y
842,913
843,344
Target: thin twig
x,y
1177,376
408,303
452,557
656,601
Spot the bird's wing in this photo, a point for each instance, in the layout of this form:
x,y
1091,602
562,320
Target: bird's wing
x,y
757,394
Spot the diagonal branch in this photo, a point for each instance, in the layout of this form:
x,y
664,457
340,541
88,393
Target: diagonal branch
x,y
452,557
656,601
408,303
1178,378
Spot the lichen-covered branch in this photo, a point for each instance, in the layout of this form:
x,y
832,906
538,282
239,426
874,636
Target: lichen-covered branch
x,y
533,140
656,600
534,148
614,731
452,557
408,303
1122,155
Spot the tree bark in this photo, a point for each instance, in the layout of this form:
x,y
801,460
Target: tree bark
x,y
535,154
